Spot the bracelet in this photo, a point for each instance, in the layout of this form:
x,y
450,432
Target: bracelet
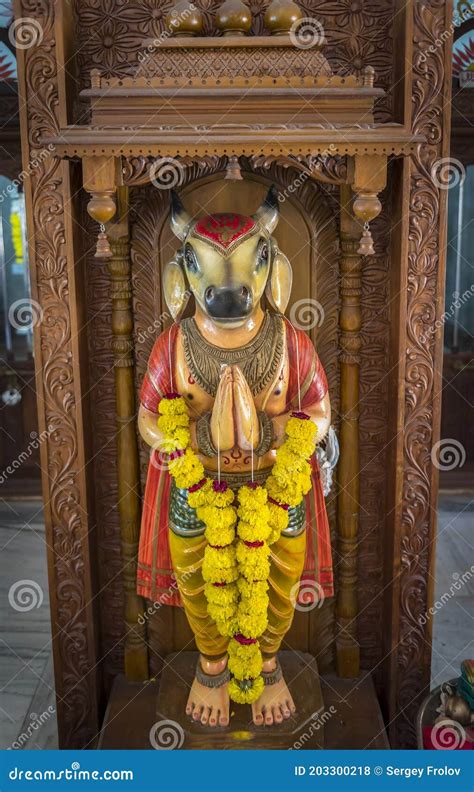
x,y
212,680
203,436
267,435
272,677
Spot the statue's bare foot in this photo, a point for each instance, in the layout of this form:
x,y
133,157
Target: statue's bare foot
x,y
210,705
276,702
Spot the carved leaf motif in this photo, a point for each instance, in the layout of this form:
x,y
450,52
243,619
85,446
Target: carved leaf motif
x,y
65,506
422,299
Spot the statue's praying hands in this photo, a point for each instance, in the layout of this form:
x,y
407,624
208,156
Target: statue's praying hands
x,y
234,421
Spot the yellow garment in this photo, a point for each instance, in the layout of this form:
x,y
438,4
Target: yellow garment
x,y
287,560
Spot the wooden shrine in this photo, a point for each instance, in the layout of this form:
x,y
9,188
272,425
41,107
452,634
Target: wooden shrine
x,y
350,150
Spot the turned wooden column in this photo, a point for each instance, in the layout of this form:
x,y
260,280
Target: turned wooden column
x,y
347,647
136,657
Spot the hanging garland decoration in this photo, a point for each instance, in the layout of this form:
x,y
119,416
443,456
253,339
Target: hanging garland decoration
x,y
236,562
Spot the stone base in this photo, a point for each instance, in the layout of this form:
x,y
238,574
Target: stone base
x,y
349,717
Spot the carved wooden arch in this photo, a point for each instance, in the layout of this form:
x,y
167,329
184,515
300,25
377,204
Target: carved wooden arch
x,y
312,631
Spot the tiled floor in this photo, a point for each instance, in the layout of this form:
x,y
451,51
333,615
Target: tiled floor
x,y
26,675
25,644
453,625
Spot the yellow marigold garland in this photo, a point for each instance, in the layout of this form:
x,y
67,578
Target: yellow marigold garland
x,y
236,561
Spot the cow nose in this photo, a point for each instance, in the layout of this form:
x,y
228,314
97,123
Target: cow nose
x,y
228,302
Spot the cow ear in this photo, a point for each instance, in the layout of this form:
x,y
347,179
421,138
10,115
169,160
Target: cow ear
x,y
174,289
180,219
268,214
278,289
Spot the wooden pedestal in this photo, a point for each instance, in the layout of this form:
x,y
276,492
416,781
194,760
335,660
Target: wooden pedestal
x,y
331,712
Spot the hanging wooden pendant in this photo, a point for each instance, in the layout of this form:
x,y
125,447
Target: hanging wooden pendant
x,y
366,246
232,170
103,249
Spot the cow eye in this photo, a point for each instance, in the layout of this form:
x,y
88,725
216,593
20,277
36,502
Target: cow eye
x,y
262,259
190,259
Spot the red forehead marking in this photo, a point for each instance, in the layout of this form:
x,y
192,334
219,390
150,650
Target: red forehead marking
x,y
224,229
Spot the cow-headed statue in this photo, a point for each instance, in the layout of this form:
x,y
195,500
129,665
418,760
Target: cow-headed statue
x,y
233,403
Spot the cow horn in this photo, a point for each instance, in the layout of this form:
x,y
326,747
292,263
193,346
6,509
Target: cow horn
x,y
268,214
180,219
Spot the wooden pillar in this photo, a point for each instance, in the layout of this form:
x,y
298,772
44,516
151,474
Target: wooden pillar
x,y
347,648
136,657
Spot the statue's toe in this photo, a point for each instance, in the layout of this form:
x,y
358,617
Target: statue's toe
x,y
277,716
224,717
257,713
206,711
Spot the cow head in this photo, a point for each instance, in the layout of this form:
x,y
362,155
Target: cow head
x,y
227,260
